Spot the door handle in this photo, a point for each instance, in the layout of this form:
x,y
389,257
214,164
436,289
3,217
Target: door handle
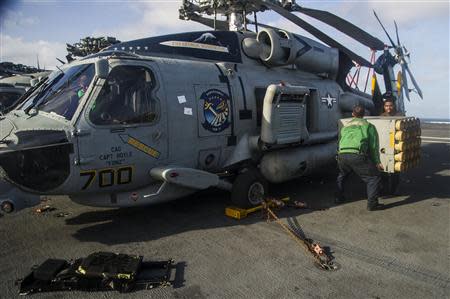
x,y
84,160
80,132
156,135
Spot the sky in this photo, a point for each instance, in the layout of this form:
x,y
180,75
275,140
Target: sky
x,y
41,28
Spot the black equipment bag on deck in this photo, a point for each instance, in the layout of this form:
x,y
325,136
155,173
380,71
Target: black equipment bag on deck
x,y
100,271
110,265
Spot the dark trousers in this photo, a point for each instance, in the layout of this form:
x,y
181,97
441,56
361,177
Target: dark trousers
x,y
389,183
365,169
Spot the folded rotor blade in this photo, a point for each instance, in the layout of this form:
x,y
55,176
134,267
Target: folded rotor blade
x,y
405,82
416,86
385,31
396,32
315,32
344,26
220,25
251,22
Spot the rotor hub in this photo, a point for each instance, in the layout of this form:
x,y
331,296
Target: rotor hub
x,y
222,7
235,11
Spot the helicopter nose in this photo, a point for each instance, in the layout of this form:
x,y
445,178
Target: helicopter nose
x,y
37,160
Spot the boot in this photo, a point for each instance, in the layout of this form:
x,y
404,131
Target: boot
x,y
374,206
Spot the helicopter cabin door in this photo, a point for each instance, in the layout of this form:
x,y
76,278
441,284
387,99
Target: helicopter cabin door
x,y
122,133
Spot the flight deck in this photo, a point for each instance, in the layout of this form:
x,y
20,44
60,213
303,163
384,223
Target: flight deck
x,y
400,252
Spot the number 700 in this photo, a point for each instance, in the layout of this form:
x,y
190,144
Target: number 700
x,y
108,177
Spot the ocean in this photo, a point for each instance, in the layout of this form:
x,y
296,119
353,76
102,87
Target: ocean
x,y
435,120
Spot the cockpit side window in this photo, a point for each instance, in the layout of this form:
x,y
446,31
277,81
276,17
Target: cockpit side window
x,y
126,98
64,92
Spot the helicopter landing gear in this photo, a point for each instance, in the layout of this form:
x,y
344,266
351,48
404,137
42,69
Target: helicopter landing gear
x,y
249,189
7,207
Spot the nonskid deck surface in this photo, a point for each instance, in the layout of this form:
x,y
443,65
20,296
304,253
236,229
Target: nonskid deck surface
x,y
400,252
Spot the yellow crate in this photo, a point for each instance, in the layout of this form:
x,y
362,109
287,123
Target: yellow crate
x,y
239,213
236,213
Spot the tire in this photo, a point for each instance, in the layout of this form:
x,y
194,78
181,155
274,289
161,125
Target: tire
x,y
249,189
7,207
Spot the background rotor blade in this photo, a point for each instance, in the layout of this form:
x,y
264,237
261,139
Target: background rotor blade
x,y
315,32
385,31
405,82
416,86
344,26
396,32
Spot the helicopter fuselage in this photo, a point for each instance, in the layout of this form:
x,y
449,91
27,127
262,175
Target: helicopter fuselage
x,y
157,127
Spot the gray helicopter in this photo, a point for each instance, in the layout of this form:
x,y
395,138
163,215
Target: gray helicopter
x,y
159,118
13,87
15,79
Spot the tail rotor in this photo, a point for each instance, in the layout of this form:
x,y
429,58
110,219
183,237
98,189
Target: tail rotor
x,y
402,57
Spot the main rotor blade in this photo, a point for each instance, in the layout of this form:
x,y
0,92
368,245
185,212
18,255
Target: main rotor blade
x,y
385,31
405,82
315,32
251,22
396,32
344,26
220,25
413,80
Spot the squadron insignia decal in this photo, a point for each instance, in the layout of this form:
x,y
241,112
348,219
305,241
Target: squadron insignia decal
x,y
215,110
329,101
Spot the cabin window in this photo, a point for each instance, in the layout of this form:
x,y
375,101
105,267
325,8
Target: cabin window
x,y
126,98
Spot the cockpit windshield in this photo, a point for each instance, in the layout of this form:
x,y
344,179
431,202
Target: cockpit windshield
x,y
62,91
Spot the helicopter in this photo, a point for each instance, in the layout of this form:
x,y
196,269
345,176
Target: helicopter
x,y
159,118
13,87
15,80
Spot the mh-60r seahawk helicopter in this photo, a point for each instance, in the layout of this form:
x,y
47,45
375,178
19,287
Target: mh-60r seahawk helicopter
x,y
158,118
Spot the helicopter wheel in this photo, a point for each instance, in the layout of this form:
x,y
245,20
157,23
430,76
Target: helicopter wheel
x,y
249,189
7,207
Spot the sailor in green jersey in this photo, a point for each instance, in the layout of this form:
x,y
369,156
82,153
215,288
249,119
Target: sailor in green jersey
x,y
359,153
